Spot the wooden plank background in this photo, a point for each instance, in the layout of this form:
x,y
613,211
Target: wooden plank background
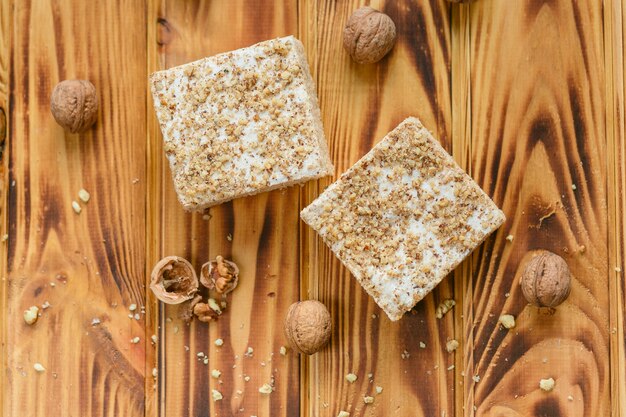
x,y
527,96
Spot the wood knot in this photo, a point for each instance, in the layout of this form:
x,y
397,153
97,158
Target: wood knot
x,y
164,32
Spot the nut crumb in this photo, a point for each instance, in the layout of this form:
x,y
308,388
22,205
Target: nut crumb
x,y
154,338
283,350
45,305
135,340
343,414
507,321
76,207
246,378
351,378
405,354
379,389
266,389
219,342
217,396
368,400
452,345
249,353
422,345
83,195
39,367
444,307
570,398
95,321
451,367
155,372
132,307
5,237
618,269
510,238
216,373
31,315
547,384
476,378
574,187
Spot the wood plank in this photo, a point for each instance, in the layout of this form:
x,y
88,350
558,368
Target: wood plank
x,y
5,43
89,265
360,104
615,36
538,147
259,233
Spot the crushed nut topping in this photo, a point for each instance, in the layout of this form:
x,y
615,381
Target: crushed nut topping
x,y
240,123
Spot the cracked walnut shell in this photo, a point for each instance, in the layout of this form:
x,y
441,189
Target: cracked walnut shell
x,y
74,105
369,35
221,275
546,280
308,326
173,280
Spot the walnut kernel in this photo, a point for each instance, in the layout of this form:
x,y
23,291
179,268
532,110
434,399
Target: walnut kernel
x,y
173,280
369,35
546,280
74,105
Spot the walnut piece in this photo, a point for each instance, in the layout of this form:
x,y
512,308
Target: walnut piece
x,y
74,105
173,280
204,312
369,35
31,315
185,312
308,326
221,275
547,384
546,280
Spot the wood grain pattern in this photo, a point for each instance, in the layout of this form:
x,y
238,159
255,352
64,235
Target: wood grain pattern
x,y
89,265
360,104
614,37
259,233
538,147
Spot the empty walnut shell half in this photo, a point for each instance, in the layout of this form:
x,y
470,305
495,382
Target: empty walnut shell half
x,y
220,275
308,326
173,280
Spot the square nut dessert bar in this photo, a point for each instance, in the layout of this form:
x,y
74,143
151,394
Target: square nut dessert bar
x,y
241,123
403,217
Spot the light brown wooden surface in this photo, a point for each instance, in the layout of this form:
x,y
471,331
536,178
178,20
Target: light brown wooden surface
x,y
527,96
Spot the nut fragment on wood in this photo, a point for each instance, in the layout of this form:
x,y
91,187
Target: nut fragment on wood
x,y
31,315
308,326
444,307
547,384
74,105
507,321
221,275
546,281
369,35
173,280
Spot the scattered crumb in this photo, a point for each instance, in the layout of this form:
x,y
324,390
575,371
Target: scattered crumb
x,y
510,238
266,389
200,354
570,398
452,345
83,195
379,390
76,207
132,307
176,329
95,321
137,316
249,353
205,360
507,294
31,315
574,187
547,384
374,316
351,378
135,340
219,342
155,372
135,180
45,305
52,284
246,378
283,350
450,368
229,237
343,414
476,378
216,373
217,396
39,367
422,345
154,338
187,349
368,400
206,217
507,321
618,269
5,237
214,306
444,307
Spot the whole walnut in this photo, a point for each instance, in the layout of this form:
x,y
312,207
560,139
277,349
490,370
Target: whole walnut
x,y
546,280
308,326
74,105
369,35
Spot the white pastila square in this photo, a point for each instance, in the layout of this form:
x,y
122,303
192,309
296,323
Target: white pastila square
x,y
403,217
241,123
